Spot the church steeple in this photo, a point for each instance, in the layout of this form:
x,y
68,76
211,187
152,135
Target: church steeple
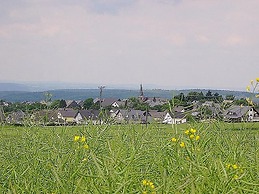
x,y
141,93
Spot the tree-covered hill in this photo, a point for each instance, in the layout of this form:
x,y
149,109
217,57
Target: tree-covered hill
x,y
82,94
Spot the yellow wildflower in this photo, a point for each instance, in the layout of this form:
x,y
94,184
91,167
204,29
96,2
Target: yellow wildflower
x,y
144,192
187,132
257,79
76,138
152,186
182,144
228,166
174,139
86,146
248,88
235,177
235,166
191,136
197,137
83,139
193,130
144,182
84,160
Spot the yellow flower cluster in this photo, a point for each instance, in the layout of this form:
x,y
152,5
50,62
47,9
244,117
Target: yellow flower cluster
x,y
192,134
252,88
148,186
182,144
81,139
232,166
236,168
77,138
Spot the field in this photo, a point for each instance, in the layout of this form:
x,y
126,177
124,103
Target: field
x,y
193,158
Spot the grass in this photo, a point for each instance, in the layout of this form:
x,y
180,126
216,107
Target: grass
x,y
119,158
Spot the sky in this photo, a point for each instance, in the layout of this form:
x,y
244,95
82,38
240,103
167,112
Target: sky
x,y
169,44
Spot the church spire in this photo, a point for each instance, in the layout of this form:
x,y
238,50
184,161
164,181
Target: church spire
x,y
141,93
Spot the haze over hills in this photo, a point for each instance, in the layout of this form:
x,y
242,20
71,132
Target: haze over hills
x,y
15,92
45,86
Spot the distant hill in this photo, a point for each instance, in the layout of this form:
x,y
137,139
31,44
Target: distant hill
x,y
82,94
14,87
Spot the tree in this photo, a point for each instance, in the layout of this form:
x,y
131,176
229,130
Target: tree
x,y
192,96
55,104
230,97
217,97
62,104
88,103
241,101
209,94
48,98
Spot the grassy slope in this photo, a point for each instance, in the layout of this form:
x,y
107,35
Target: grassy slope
x,y
119,158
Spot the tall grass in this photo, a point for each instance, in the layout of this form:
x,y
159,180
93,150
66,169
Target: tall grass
x,y
121,158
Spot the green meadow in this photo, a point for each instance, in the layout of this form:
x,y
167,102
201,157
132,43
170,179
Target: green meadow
x,y
211,157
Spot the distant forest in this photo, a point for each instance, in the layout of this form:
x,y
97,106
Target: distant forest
x,y
82,94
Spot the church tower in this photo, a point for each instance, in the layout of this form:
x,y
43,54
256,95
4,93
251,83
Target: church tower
x,y
141,93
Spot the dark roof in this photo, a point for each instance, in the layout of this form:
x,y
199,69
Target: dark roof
x,y
46,116
2,117
178,109
86,114
236,111
72,104
95,114
131,114
108,101
156,114
68,113
177,115
16,117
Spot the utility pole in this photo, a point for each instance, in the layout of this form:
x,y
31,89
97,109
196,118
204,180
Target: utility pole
x,y
101,93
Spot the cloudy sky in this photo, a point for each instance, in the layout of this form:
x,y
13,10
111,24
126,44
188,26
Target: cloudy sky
x,y
170,43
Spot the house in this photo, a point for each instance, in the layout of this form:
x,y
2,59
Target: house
x,y
46,117
155,101
155,116
174,118
136,116
80,103
241,113
90,116
70,116
96,117
178,109
113,102
120,116
108,102
256,115
72,104
129,116
208,103
16,118
2,117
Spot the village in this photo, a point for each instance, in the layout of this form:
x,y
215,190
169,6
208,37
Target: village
x,y
136,110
